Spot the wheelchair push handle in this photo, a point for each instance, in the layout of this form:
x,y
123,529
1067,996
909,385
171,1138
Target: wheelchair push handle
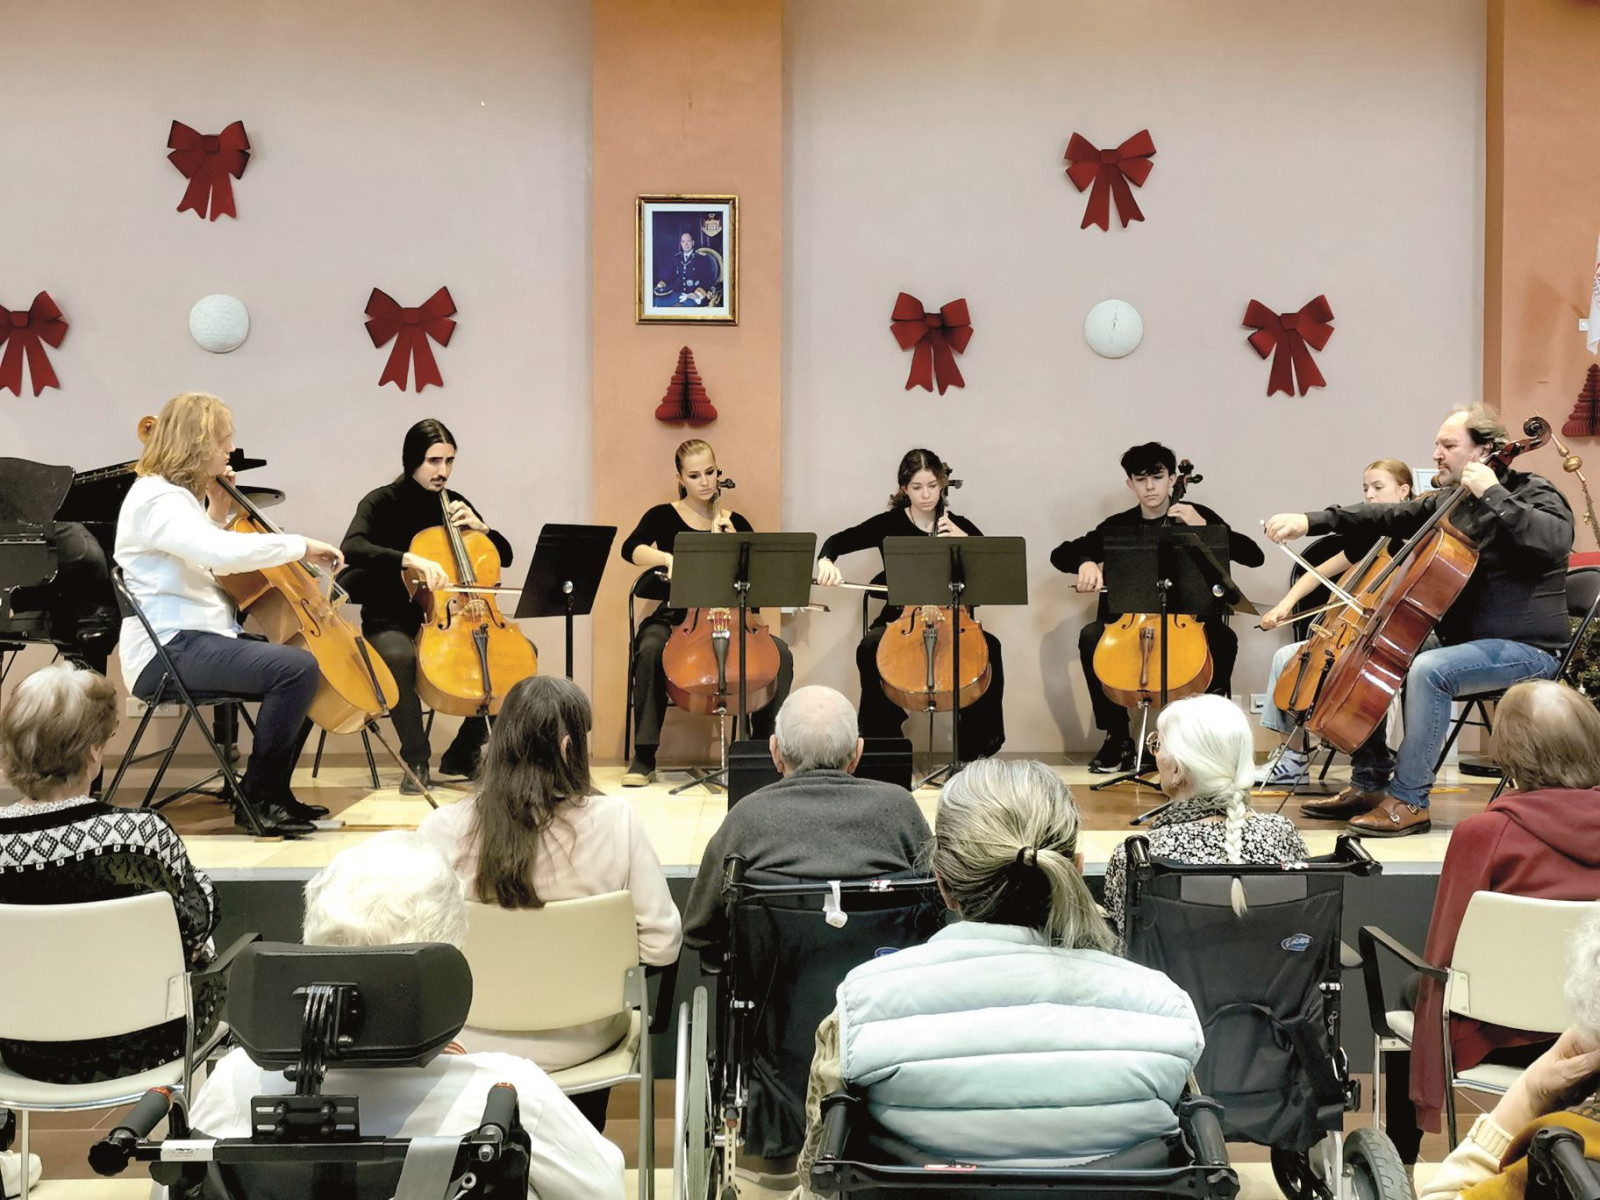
x,y
111,1153
499,1118
1557,1167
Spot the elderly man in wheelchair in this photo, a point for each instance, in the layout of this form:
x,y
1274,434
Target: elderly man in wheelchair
x,y
347,1082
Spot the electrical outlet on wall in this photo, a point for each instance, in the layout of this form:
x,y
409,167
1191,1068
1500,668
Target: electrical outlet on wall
x,y
1258,703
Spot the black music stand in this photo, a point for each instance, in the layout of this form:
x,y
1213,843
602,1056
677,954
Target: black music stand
x,y
1171,570
565,574
953,573
740,571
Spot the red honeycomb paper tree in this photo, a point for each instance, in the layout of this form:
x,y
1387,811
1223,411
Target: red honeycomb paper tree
x,y
686,398
1584,420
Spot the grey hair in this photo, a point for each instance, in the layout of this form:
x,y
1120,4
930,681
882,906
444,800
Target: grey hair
x,y
1211,740
392,889
1003,848
1583,976
816,730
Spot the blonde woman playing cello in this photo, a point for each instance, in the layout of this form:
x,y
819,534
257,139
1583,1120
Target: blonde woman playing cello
x,y
170,545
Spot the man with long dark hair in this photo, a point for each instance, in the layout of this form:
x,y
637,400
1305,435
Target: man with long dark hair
x,y
377,548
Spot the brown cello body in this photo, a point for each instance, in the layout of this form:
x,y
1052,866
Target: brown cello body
x,y
1365,679
290,607
1299,685
701,662
916,659
1127,659
468,654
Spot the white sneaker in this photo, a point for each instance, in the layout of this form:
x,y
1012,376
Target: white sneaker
x,y
1293,769
10,1173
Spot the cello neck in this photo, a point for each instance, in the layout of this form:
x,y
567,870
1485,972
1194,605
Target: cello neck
x,y
458,545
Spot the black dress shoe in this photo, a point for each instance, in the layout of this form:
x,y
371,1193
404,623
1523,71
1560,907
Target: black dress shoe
x,y
1115,755
423,781
462,764
275,822
303,812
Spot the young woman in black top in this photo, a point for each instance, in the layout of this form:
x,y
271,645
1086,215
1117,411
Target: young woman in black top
x,y
916,507
698,508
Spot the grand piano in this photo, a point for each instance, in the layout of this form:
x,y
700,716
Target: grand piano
x,y
55,588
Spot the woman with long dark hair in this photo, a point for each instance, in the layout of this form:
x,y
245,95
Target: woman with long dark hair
x,y
537,831
918,507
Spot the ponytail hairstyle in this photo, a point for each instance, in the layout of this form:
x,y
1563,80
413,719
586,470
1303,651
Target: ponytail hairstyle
x,y
1211,742
528,778
189,430
688,450
420,438
1398,470
914,461
1003,849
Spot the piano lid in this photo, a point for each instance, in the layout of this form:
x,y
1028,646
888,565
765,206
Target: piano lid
x,y
30,491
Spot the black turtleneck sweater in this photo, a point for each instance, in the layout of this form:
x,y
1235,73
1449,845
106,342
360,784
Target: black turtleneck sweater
x,y
380,534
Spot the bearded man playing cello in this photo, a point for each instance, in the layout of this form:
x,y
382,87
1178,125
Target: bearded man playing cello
x,y
1508,624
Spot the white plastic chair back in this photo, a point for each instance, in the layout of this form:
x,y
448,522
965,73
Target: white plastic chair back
x,y
547,968
1510,961
81,971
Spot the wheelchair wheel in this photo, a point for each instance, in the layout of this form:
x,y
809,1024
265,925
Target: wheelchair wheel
x,y
1373,1168
693,1165
1295,1178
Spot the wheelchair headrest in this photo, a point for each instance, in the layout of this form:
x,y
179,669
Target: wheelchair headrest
x,y
407,1003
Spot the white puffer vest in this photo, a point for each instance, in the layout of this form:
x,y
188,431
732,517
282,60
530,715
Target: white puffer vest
x,y
984,1046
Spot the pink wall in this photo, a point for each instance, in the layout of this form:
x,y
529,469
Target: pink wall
x,y
403,146
1333,152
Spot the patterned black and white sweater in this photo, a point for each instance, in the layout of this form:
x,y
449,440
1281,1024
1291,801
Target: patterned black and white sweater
x,y
79,850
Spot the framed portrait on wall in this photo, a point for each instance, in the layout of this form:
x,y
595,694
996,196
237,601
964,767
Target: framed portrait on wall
x,y
688,259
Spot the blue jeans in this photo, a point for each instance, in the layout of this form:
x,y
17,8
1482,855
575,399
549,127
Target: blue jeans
x,y
284,678
1272,717
1436,678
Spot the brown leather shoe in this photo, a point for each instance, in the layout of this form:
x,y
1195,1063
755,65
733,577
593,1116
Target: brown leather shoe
x,y
1391,818
1348,803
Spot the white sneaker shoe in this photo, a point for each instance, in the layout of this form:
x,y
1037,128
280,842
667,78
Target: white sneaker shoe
x,y
10,1173
1293,769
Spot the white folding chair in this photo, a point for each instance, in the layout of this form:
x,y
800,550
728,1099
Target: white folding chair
x,y
1509,968
569,963
103,969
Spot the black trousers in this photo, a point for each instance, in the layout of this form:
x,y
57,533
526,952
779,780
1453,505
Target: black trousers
x,y
1110,717
398,649
650,682
983,726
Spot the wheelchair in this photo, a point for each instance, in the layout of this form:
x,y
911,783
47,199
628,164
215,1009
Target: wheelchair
x,y
1557,1168
1267,987
302,1010
741,1083
858,1161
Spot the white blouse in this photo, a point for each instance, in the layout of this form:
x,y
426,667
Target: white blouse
x,y
170,553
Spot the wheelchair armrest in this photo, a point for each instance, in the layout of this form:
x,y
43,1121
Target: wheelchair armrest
x,y
1200,1118
224,961
838,1109
662,1017
1371,939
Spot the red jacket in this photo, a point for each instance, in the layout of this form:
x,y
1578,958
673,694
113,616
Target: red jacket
x,y
1544,844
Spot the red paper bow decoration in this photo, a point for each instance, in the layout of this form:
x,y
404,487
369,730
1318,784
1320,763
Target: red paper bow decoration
x,y
937,337
22,333
1110,171
412,327
206,161
1290,332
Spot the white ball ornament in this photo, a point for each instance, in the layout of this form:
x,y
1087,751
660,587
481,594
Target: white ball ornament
x,y
219,323
1113,328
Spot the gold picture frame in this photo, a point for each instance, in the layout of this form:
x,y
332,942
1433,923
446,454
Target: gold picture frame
x,y
686,260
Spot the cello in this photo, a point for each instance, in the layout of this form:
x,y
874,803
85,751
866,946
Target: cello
x,y
468,654
1297,687
1128,657
702,672
289,604
1428,573
916,655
